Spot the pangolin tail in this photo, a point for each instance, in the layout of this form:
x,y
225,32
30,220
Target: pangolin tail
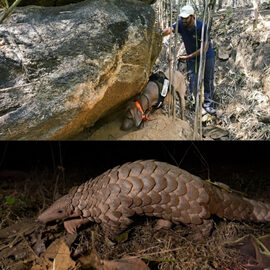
x,y
231,205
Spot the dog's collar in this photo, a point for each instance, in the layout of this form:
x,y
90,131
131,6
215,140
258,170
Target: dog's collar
x,y
144,117
138,105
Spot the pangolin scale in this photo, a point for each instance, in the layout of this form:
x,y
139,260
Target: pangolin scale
x,y
150,188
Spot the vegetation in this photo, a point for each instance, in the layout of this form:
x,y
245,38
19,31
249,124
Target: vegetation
x,y
228,21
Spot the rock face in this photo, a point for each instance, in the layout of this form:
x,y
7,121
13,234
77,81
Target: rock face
x,y
63,68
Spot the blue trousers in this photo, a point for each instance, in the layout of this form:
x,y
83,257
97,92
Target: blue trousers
x,y
208,79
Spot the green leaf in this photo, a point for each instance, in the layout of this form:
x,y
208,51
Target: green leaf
x,y
10,200
229,12
121,238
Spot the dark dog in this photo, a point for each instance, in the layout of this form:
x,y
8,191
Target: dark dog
x,y
149,99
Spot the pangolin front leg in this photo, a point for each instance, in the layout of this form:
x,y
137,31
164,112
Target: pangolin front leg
x,y
72,225
113,228
163,224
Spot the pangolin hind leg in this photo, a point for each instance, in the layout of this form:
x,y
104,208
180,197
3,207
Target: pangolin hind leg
x,y
203,230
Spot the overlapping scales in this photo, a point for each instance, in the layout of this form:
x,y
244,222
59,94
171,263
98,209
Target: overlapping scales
x,y
159,189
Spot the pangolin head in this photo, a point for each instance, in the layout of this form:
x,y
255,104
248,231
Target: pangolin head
x,y
60,209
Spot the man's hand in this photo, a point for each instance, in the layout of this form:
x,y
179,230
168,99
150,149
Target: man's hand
x,y
183,58
167,31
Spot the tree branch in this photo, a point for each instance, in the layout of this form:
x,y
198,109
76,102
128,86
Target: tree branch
x,y
9,10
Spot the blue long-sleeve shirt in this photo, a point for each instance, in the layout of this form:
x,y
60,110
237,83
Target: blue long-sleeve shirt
x,y
189,37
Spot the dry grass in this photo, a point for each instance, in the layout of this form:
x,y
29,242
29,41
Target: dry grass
x,y
175,249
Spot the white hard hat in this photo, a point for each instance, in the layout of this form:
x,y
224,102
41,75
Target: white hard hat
x,y
186,11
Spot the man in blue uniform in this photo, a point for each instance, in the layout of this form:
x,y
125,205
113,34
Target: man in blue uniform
x,y
191,31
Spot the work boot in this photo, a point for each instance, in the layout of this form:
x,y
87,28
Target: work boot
x,y
204,112
210,110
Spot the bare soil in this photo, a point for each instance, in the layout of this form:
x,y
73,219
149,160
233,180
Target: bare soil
x,y
160,127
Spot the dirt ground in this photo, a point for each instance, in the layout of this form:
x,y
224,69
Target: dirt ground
x,y
25,245
159,128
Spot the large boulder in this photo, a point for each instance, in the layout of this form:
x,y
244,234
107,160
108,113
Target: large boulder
x,y
63,68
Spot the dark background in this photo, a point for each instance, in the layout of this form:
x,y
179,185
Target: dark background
x,y
201,158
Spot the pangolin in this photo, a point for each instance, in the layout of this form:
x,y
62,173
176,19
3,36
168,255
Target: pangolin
x,y
150,188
